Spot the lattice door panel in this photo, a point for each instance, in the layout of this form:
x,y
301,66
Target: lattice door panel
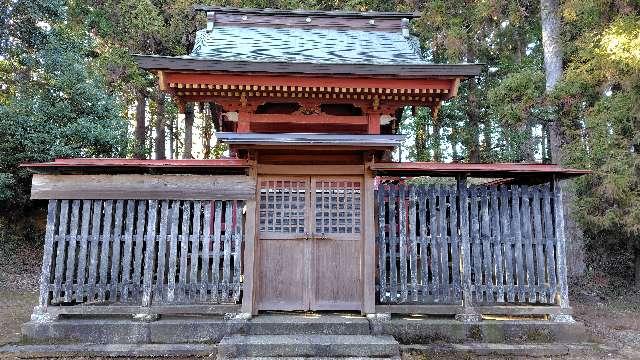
x,y
283,206
337,206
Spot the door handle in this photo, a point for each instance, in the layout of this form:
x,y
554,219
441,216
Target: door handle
x,y
305,237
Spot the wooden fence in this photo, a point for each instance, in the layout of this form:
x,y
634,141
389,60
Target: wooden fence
x,y
478,245
142,252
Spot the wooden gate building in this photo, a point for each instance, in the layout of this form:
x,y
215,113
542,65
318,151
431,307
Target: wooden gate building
x,y
309,212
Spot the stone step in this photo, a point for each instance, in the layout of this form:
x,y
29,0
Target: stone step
x,y
319,346
307,325
107,351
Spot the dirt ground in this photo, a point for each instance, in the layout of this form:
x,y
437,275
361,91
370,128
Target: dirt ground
x,y
613,322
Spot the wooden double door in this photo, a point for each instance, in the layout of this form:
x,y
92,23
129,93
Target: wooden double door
x,y
309,243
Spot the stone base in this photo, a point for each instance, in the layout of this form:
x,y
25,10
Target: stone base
x,y
468,318
212,329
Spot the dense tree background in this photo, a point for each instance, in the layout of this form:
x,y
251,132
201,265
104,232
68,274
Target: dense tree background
x,y
69,87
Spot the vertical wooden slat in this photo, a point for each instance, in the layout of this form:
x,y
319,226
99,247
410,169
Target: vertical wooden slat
x,y
539,242
162,250
497,244
96,219
528,244
455,252
137,267
463,198
393,270
60,250
195,250
382,244
173,251
237,250
228,234
215,266
184,250
82,254
424,254
115,255
485,238
412,246
443,243
475,244
45,272
105,251
561,261
206,241
434,260
517,232
150,241
507,238
71,251
550,242
127,250
402,230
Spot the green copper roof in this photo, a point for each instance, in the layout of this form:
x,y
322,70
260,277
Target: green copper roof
x,y
306,45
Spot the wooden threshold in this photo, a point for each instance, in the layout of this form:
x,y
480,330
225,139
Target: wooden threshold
x,y
514,310
156,309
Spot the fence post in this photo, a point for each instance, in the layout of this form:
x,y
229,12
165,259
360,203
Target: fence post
x,y
561,255
40,313
468,312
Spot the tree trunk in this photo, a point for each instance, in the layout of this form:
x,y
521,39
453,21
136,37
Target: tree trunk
x,y
636,266
140,133
473,146
188,131
160,127
552,48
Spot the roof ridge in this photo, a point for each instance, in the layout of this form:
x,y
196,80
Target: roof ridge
x,y
304,12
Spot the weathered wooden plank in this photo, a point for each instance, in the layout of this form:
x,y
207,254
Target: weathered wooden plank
x,y
206,241
61,245
485,238
183,282
465,246
96,220
162,251
215,266
115,251
181,309
105,251
455,251
424,253
550,244
237,251
402,232
412,246
138,186
539,243
561,261
150,248
137,267
517,232
496,234
127,251
393,259
82,253
173,251
45,272
249,259
475,242
195,250
71,251
369,238
505,217
434,260
382,244
443,243
527,241
228,235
